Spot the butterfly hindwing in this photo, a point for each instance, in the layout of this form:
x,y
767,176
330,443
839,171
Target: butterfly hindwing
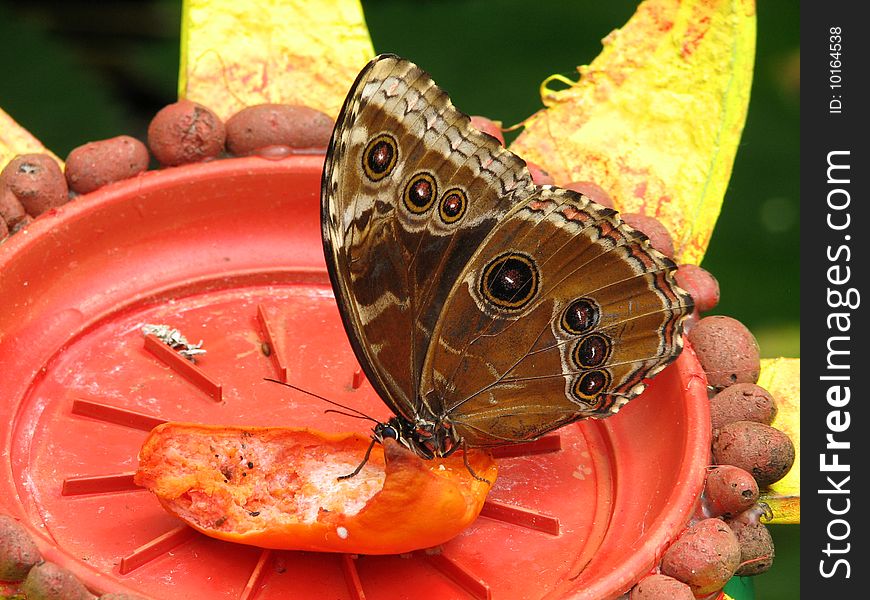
x,y
408,193
561,314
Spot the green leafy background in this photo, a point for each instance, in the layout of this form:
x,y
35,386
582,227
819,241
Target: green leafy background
x,y
76,71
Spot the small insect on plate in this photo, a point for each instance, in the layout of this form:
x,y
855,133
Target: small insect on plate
x,y
278,487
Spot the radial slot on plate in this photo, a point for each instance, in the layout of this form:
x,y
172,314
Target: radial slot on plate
x,y
183,367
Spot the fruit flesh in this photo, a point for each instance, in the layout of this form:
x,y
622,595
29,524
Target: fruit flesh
x,y
280,488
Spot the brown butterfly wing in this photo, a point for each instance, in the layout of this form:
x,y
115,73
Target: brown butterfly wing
x,y
409,191
561,314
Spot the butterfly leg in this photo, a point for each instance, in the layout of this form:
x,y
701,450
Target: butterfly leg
x,y
362,464
468,465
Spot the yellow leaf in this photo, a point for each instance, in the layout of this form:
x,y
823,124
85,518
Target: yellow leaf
x,y
656,118
781,377
236,54
15,140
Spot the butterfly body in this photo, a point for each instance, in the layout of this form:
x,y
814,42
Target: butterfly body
x,y
485,310
427,438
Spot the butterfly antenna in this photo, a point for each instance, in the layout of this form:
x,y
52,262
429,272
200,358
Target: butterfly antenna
x,y
347,414
352,412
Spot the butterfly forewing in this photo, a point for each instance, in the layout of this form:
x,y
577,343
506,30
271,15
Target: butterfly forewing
x,y
409,191
561,314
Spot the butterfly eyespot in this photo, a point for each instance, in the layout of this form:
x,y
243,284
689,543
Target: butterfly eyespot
x,y
380,156
591,351
588,385
453,205
581,315
510,281
420,193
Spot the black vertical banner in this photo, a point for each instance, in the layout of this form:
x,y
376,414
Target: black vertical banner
x,y
835,190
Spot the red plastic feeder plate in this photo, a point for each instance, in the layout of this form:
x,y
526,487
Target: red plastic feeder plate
x,y
229,253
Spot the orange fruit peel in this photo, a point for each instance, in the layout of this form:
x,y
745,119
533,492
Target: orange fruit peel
x,y
239,54
278,487
782,378
656,118
15,140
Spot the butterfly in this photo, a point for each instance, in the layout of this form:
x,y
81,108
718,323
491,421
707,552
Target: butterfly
x,y
485,310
